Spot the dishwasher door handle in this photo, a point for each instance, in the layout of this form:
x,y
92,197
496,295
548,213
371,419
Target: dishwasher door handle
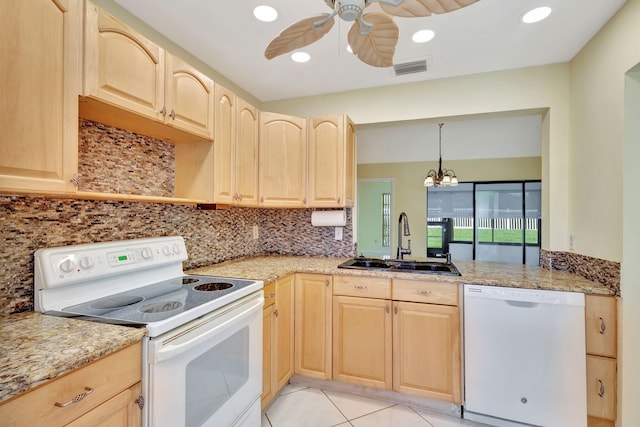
x,y
522,304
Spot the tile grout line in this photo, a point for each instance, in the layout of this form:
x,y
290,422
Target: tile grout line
x,y
420,415
336,406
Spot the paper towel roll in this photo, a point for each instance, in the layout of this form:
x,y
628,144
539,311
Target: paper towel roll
x,y
329,218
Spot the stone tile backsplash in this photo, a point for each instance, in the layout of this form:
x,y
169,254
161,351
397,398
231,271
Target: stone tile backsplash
x,y
211,236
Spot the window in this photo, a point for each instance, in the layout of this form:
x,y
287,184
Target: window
x,y
485,221
386,220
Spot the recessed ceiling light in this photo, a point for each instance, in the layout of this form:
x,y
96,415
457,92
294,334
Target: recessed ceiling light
x,y
536,15
300,56
423,36
265,13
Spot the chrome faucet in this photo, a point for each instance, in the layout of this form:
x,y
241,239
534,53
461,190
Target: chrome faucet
x,y
402,251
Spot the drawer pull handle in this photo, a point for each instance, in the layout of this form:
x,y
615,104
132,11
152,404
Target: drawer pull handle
x,y
601,390
76,399
424,292
603,326
271,296
360,286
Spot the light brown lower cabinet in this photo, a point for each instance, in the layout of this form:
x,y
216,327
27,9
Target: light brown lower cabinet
x,y
277,345
601,341
313,325
111,386
426,351
362,341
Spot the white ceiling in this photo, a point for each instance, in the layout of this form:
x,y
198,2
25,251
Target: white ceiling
x,y
483,37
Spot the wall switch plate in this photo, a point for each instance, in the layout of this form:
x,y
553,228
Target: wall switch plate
x,y
255,232
338,233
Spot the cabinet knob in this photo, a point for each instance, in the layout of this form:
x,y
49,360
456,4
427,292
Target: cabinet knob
x,y
163,111
601,389
173,114
276,312
603,326
326,283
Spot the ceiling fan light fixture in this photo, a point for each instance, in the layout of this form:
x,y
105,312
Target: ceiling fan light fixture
x,y
536,15
349,48
300,57
423,36
265,13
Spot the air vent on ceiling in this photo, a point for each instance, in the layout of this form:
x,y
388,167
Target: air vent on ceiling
x,y
410,67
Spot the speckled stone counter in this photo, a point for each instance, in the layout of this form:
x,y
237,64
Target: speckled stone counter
x,y
270,268
36,348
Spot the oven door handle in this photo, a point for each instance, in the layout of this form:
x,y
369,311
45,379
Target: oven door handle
x,y
169,348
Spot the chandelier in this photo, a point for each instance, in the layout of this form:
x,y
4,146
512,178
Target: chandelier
x,y
444,177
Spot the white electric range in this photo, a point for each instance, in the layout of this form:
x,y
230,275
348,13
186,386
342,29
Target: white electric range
x,y
202,358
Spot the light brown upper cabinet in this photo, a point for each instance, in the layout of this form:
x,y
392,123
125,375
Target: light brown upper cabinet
x,y
283,161
236,150
332,161
39,73
125,73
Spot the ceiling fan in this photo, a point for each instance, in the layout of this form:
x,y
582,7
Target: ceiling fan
x,y
372,37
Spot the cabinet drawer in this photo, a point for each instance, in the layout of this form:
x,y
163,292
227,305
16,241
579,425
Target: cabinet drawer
x,y
601,325
106,378
424,291
368,287
269,294
601,387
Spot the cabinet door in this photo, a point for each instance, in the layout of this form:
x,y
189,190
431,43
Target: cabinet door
x,y
327,147
246,156
362,341
313,325
39,102
121,67
426,345
121,410
350,164
188,98
224,146
284,331
283,160
268,354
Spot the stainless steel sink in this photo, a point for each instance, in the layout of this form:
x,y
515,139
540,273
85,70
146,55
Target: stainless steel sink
x,y
399,265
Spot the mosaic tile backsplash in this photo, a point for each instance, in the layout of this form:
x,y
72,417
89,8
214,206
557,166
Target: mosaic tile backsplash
x,y
30,223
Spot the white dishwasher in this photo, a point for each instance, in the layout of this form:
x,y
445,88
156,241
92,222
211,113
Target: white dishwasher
x,y
524,357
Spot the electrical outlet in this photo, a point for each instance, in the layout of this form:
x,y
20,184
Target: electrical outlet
x,y
255,232
338,233
572,243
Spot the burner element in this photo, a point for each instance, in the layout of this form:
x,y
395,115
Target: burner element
x,y
213,286
189,280
116,302
161,307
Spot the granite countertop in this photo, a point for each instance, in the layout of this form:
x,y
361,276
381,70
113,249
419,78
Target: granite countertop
x,y
36,348
270,268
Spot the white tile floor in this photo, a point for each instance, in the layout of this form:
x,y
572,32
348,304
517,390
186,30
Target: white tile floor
x,y
301,406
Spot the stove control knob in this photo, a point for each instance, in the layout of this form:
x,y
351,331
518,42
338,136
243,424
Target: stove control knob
x,y
176,249
146,253
166,251
86,262
67,266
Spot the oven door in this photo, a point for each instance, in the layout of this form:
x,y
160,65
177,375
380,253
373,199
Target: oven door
x,y
208,372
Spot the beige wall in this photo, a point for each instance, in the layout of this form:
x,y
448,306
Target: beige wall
x,y
604,141
409,194
543,89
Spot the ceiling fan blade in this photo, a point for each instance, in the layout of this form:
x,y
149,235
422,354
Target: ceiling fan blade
x,y
418,8
297,35
378,46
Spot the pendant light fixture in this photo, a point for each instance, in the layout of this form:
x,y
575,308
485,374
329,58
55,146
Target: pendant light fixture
x,y
444,177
